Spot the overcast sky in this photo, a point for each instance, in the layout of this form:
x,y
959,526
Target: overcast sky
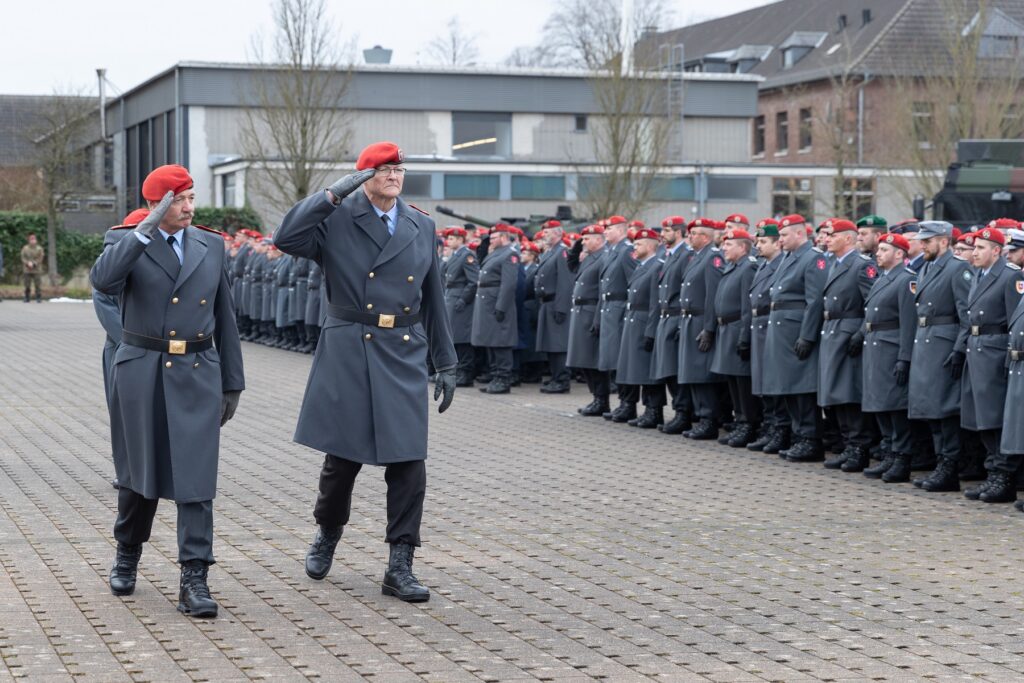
x,y
59,44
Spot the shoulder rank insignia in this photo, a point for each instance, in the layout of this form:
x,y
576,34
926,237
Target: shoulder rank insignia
x,y
817,250
752,259
864,256
1012,266
123,227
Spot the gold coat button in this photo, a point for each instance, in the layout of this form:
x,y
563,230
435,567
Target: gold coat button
x,y
172,333
410,278
369,307
168,364
174,300
368,336
195,365
202,302
405,337
201,335
406,309
371,274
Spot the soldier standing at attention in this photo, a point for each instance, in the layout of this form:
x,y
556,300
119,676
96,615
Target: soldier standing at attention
x,y
461,273
663,329
584,317
553,285
869,233
176,380
32,255
385,299
495,320
616,267
634,368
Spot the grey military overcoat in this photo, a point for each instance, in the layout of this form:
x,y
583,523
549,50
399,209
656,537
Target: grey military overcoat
x,y
313,297
553,285
165,409
298,290
496,291
760,305
940,304
846,288
732,306
1013,425
890,301
366,399
283,291
584,346
634,366
268,308
991,301
697,299
236,273
799,281
255,307
663,324
616,267
460,277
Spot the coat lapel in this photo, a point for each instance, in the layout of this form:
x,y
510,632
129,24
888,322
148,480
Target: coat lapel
x,y
195,252
978,289
933,269
882,282
161,252
405,232
366,218
841,267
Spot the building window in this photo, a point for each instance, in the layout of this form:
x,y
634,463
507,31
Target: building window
x,y
792,55
228,181
467,186
100,206
538,187
69,205
417,185
923,114
108,165
782,132
722,187
805,130
792,195
759,135
480,134
679,189
581,123
858,199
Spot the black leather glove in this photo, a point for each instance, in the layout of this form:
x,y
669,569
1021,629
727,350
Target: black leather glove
x,y
955,362
648,344
499,316
595,329
743,350
149,225
343,187
856,345
559,317
460,306
675,334
444,384
705,340
803,349
901,371
228,405
576,248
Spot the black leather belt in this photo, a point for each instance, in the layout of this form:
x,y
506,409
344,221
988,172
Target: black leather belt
x,y
788,305
670,312
844,315
584,302
994,328
882,326
376,319
689,312
760,310
925,321
176,347
726,319
546,298
1015,355
488,286
613,297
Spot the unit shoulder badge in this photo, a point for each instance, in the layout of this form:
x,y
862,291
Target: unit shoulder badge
x,y
913,286
967,275
1019,284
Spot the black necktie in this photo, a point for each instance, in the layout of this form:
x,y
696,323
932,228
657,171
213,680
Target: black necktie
x,y
387,223
170,243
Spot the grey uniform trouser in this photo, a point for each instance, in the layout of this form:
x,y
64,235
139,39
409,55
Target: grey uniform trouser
x,y
195,524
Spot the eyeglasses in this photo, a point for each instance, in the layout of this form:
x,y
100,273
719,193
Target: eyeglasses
x,y
385,171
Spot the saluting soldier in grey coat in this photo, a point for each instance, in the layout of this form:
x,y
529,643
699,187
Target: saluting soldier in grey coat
x,y
731,355
663,328
635,350
616,267
794,328
176,379
495,322
553,285
775,435
994,296
461,273
889,326
364,403
940,345
697,327
850,276
584,317
312,314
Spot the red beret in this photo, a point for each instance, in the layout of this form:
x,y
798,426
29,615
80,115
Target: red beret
x,y
841,225
518,232
737,234
637,224
551,224
810,230
1004,224
766,222
378,154
719,225
645,234
677,221
593,230
169,178
572,236
135,217
967,238
991,235
228,238
737,218
702,223
530,246
503,227
792,219
615,220
956,234
896,240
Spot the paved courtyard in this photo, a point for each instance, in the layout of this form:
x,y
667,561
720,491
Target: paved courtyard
x,y
558,548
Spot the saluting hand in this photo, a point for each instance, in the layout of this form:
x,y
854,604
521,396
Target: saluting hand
x,y
445,383
149,225
349,184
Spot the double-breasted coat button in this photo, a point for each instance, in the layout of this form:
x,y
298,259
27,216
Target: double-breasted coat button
x,y
172,333
368,336
195,365
405,337
174,300
168,364
201,335
369,307
371,275
410,278
406,309
202,302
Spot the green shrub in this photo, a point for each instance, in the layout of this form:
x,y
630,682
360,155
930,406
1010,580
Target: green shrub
x,y
73,249
227,219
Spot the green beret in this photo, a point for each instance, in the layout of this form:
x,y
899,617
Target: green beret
x,y
873,221
767,228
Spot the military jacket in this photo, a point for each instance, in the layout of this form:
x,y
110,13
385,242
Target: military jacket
x,y
616,267
635,363
1013,426
496,291
553,285
460,277
313,296
760,307
696,302
584,321
732,316
846,288
663,324
888,329
298,290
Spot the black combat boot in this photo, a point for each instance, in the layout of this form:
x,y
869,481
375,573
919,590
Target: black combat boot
x,y
1002,488
836,461
624,413
807,450
900,470
763,438
679,423
194,597
555,388
463,379
780,441
399,581
596,408
651,418
857,461
126,565
320,555
881,468
742,436
974,493
1019,505
704,431
727,430
944,478
498,385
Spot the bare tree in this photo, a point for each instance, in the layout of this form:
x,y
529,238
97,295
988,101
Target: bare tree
x,y
538,56
297,122
455,48
589,34
964,85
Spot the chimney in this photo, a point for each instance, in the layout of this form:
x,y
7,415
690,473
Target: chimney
x,y
377,55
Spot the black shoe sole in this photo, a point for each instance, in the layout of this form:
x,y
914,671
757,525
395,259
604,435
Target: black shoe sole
x,y
199,614
393,592
122,594
321,577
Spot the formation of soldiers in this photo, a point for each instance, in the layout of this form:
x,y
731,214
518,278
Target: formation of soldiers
x,y
847,343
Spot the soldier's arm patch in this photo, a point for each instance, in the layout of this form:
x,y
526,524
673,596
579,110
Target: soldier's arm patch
x,y
871,272
513,258
967,275
913,286
820,264
1019,284
717,262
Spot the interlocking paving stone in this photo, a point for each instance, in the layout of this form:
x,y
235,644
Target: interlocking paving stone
x,y
558,548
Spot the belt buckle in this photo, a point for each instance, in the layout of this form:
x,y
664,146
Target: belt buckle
x,y
771,307
975,330
867,326
386,320
176,347
922,321
1015,355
